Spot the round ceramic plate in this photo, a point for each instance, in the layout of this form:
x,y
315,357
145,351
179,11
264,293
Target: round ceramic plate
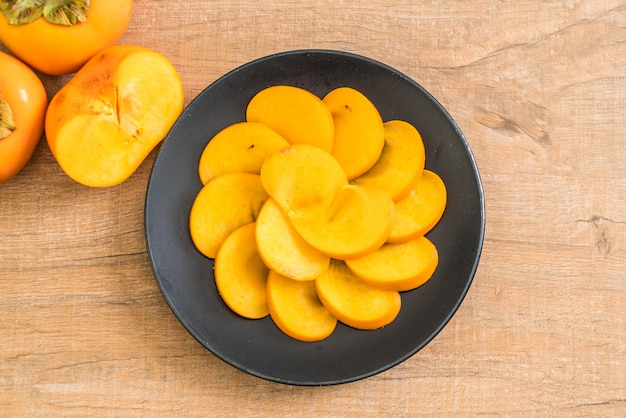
x,y
258,347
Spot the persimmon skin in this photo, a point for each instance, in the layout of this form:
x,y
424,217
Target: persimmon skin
x,y
58,50
26,96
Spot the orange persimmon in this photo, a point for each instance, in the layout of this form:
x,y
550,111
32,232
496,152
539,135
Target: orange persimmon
x,y
58,38
103,123
23,103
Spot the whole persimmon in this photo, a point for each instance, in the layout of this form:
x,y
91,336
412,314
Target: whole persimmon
x,y
103,123
23,104
58,37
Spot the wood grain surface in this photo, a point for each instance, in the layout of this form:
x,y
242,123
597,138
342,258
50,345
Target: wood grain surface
x,y
539,90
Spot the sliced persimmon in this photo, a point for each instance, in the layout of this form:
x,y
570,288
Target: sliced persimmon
x,y
283,249
357,222
296,114
296,309
359,136
223,205
355,302
302,176
421,210
401,162
403,266
241,147
241,275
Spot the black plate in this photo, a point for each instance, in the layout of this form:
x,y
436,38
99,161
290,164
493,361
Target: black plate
x,y
258,347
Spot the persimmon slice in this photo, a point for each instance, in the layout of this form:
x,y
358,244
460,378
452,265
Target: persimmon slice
x,y
359,137
400,267
242,147
401,162
296,114
355,302
283,249
296,309
301,177
223,205
421,210
241,275
357,222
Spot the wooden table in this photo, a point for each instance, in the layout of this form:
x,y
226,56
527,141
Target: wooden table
x,y
539,90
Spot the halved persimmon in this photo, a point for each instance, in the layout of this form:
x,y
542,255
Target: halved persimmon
x,y
103,123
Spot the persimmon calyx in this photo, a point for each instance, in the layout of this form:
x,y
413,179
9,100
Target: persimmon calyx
x,y
58,12
7,124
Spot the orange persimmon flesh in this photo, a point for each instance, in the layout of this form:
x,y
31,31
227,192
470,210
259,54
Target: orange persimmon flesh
x,y
301,177
420,211
103,123
242,147
355,302
338,223
401,162
296,309
296,114
223,205
401,267
241,275
356,223
359,134
283,249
